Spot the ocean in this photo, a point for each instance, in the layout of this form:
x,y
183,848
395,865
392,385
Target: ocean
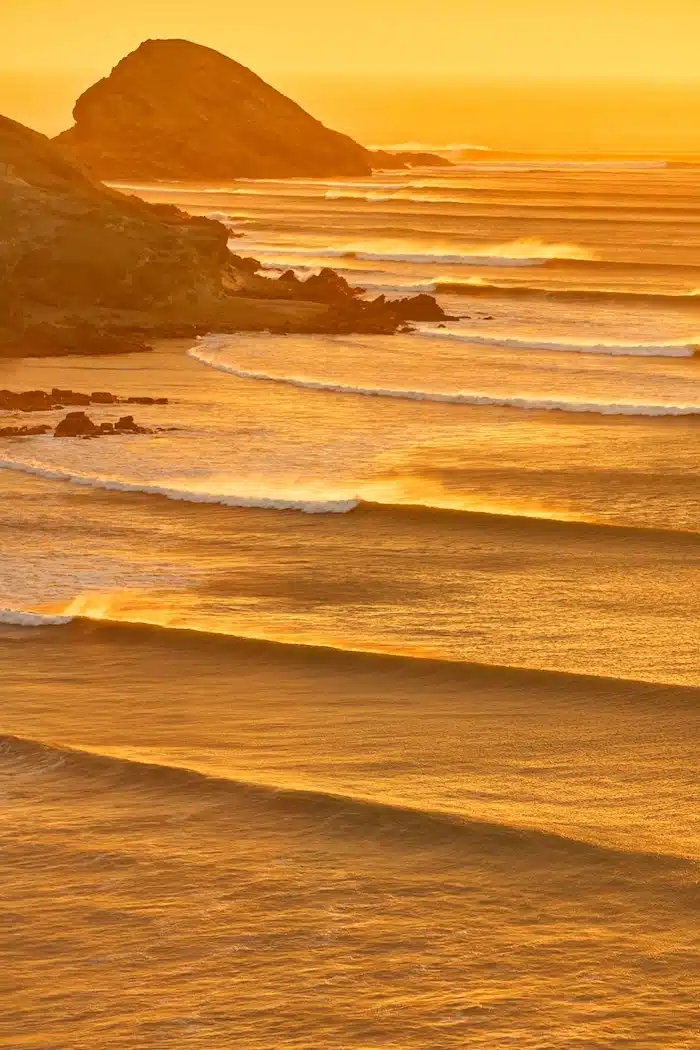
x,y
359,705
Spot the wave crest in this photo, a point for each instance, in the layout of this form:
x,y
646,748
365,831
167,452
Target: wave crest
x,y
609,349
17,618
276,502
456,398
523,252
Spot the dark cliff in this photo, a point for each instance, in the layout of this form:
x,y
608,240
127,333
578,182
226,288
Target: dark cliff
x,y
68,242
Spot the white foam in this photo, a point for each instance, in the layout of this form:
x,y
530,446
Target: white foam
x,y
457,398
611,349
397,286
398,198
26,619
306,506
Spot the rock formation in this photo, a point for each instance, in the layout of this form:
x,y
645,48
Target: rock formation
x,y
69,243
389,160
45,401
85,269
176,110
78,424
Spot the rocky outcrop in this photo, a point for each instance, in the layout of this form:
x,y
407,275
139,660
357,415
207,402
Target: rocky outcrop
x,y
417,308
78,424
67,241
176,110
85,269
390,160
24,431
45,401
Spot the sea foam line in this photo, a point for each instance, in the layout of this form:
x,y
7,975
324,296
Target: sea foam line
x,y
457,398
306,506
610,349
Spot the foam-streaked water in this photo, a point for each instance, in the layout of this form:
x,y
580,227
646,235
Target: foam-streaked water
x,y
360,709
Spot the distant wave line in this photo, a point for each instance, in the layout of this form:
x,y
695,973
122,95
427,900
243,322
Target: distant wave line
x,y
609,349
457,398
482,289
335,813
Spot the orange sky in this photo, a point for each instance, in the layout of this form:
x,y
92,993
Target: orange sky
x,y
395,70
476,37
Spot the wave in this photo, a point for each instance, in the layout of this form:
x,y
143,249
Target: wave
x,y
523,252
329,812
276,502
610,349
336,813
430,147
457,398
17,618
561,165
476,287
437,258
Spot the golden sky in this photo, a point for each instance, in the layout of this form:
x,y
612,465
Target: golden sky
x,y
657,38
388,71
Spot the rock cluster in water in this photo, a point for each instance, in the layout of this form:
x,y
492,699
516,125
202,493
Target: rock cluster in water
x,y
46,400
78,424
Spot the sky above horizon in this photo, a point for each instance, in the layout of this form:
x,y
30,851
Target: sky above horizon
x,y
389,71
627,38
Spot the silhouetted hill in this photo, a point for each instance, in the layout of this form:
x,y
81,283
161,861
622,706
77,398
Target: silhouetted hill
x,y
174,109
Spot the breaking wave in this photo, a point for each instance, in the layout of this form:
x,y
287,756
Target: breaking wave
x,y
514,253
17,618
456,398
225,499
476,287
610,349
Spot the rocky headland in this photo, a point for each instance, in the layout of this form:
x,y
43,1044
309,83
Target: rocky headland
x,y
86,269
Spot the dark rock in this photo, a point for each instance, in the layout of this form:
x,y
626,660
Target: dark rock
x,y
40,401
245,263
289,277
392,159
24,431
174,109
126,425
27,401
328,287
76,424
417,308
